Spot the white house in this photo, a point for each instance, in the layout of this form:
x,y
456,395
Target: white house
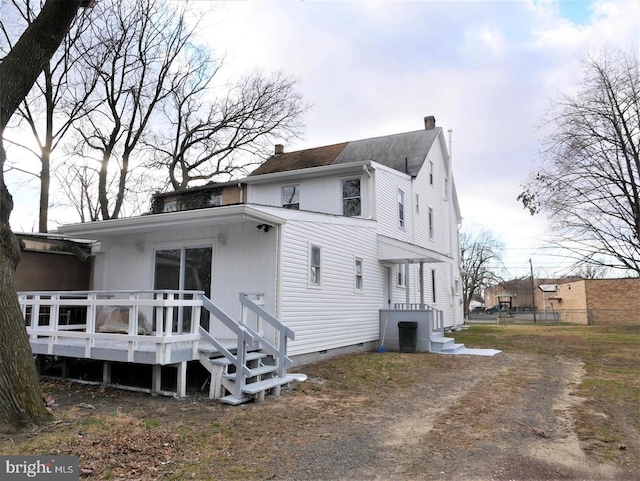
x,y
326,239
328,236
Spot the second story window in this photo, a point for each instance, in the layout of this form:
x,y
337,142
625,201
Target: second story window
x,y
401,209
351,199
431,227
291,197
430,172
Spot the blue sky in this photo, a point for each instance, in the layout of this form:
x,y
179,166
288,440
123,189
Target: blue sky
x,y
487,70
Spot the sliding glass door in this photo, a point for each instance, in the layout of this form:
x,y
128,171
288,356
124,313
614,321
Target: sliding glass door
x,y
186,268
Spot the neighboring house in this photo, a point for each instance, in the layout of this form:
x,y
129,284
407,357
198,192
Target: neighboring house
x,y
328,236
525,295
599,301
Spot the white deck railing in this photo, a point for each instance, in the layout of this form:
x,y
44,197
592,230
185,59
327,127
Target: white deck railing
x,y
157,319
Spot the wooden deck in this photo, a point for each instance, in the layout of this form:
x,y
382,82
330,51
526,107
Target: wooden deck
x,y
156,328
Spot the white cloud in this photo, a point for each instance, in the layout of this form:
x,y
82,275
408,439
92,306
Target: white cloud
x,y
484,69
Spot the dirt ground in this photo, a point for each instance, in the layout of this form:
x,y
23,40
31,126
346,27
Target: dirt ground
x,y
507,417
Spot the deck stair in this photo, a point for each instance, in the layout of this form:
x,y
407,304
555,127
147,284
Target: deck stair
x,y
256,367
445,345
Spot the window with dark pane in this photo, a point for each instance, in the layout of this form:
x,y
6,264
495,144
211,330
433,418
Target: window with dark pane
x,y
291,197
351,199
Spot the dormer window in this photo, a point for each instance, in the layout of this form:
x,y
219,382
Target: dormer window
x,y
171,206
215,200
351,199
291,197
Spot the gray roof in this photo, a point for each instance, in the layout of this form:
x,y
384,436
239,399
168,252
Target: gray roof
x,y
404,152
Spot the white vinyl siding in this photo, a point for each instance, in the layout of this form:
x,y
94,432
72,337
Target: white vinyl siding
x,y
388,182
317,194
335,315
243,260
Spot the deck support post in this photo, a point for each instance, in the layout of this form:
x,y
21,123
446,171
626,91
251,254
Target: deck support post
x,y
106,373
65,368
156,379
182,379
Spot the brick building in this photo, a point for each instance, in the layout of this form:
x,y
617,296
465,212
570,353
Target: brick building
x,y
599,301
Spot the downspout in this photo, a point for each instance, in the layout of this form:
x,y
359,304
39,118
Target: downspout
x,y
371,206
241,192
278,307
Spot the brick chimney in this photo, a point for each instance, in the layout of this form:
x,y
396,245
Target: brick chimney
x,y
429,122
279,149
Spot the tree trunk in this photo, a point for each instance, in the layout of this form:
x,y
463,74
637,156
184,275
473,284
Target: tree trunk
x,y
20,397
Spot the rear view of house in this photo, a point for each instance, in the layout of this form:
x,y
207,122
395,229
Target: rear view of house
x,y
323,238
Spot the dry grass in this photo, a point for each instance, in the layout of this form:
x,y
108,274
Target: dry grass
x,y
132,436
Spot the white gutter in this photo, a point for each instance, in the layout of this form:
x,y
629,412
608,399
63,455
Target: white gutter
x,y
306,173
180,219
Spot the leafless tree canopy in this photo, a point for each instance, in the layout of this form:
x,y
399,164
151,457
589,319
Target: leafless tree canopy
x,y
213,137
481,262
155,114
57,100
589,183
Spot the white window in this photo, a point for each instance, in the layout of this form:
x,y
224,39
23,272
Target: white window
x,y
401,209
215,200
431,228
315,258
291,197
430,172
417,204
171,206
433,284
358,275
401,278
351,199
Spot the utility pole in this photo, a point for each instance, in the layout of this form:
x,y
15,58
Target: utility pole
x,y
533,292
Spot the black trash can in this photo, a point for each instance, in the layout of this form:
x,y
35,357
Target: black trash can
x,y
408,336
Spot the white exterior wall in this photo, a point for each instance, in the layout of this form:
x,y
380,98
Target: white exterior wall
x,y
317,194
334,314
244,262
388,183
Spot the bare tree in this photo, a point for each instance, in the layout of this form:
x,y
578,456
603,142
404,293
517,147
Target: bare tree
x,y
481,262
589,184
57,101
20,397
139,56
207,137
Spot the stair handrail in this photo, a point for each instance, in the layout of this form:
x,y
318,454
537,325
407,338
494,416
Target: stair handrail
x,y
284,333
244,337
